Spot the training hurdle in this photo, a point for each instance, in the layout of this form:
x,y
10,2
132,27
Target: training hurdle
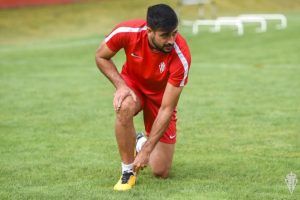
x,y
255,19
280,17
215,24
196,23
229,21
237,22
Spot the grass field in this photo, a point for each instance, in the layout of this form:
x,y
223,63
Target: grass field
x,y
239,116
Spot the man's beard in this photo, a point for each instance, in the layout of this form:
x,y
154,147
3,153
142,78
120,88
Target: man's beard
x,y
161,48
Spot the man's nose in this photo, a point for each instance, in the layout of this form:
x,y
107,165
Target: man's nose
x,y
171,39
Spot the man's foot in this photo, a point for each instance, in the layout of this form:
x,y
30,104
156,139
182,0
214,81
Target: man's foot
x,y
126,182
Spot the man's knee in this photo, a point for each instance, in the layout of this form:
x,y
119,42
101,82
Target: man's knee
x,y
127,111
161,172
161,159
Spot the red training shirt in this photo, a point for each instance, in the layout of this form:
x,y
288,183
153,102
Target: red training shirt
x,y
151,70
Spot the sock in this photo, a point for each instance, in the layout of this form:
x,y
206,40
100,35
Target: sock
x,y
140,143
127,167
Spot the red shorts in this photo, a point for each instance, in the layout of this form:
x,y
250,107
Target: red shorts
x,y
150,104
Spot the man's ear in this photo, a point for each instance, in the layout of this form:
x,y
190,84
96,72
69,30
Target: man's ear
x,y
149,30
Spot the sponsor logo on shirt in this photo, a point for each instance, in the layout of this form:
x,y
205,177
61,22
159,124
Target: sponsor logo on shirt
x,y
162,67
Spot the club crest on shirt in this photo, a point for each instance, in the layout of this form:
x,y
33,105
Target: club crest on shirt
x,y
162,67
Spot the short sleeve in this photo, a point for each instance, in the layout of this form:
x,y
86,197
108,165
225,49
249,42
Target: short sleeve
x,y
179,66
117,39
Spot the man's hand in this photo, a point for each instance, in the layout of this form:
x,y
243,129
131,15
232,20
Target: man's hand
x,y
141,160
120,94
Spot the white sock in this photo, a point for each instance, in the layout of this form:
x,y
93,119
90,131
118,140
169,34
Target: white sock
x,y
140,144
127,167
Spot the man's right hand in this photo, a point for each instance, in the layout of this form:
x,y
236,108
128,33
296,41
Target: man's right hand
x,y
120,94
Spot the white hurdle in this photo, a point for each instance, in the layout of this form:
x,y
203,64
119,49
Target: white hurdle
x,y
216,24
229,21
203,22
195,24
190,23
280,17
237,22
255,19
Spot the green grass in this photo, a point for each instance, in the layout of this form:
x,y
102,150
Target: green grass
x,y
238,128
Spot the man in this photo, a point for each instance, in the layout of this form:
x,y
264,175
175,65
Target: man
x,y
152,78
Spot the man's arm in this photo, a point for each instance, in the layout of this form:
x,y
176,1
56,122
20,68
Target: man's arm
x,y
109,69
161,122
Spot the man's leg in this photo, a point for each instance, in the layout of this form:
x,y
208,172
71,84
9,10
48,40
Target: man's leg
x,y
125,135
124,128
161,159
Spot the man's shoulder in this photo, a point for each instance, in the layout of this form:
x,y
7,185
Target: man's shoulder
x,y
127,30
134,23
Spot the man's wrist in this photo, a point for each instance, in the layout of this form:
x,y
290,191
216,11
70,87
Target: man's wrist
x,y
148,147
120,84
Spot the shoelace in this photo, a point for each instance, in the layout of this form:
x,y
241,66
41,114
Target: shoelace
x,y
125,177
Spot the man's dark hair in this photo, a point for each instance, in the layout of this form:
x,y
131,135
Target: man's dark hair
x,y
162,17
